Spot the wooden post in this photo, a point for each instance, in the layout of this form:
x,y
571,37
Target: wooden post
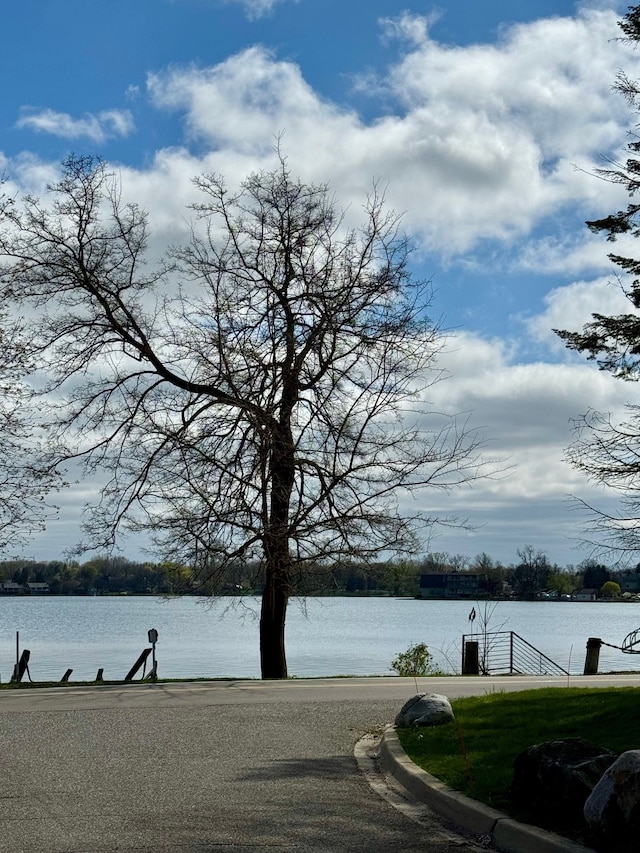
x,y
100,674
593,656
145,654
22,666
16,668
470,663
65,677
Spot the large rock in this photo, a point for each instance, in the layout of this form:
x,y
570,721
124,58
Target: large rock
x,y
613,807
425,709
554,779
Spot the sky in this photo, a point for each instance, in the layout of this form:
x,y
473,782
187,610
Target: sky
x,y
484,123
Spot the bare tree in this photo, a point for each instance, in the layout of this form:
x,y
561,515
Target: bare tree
x,y
262,394
531,574
609,454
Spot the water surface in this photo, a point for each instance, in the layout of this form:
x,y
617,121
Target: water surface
x,y
325,636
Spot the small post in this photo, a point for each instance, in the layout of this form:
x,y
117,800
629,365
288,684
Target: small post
x,y
65,677
99,676
470,663
593,656
17,664
153,639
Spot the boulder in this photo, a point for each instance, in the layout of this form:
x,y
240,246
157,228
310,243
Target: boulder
x,y
425,709
554,779
612,810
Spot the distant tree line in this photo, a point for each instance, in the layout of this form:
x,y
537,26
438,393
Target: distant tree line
x,y
530,577
101,575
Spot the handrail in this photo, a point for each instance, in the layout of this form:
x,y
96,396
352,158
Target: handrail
x,y
507,651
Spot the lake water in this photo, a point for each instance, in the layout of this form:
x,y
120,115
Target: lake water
x,y
325,636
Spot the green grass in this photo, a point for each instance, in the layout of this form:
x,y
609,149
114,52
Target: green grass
x,y
475,753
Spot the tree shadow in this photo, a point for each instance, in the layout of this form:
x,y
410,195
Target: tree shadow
x,y
333,767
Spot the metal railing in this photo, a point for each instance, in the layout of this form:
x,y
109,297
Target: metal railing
x,y
505,652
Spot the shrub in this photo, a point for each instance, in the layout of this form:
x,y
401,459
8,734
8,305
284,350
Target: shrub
x,y
610,589
416,661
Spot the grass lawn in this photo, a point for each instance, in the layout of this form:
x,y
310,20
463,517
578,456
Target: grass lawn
x,y
475,753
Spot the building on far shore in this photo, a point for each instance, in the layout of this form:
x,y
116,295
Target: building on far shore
x,y
585,595
31,588
453,585
38,588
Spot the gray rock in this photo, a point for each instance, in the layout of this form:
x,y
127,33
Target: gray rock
x,y
554,779
425,709
613,807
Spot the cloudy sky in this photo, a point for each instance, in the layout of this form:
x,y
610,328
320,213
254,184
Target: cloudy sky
x,y
484,121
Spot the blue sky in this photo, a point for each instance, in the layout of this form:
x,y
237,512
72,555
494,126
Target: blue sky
x,y
484,121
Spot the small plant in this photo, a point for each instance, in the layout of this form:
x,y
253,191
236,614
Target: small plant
x,y
416,661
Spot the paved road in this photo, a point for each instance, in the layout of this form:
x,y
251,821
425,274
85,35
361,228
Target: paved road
x,y
221,766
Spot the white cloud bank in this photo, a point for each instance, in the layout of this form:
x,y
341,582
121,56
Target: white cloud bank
x,y
483,142
480,144
526,412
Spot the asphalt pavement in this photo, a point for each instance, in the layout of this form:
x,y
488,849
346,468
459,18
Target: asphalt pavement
x,y
234,766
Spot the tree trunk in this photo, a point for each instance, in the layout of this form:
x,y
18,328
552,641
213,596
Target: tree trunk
x,y
275,597
273,660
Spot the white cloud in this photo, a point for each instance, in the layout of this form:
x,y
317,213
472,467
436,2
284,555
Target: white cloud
x,y
526,412
97,128
482,144
27,174
566,255
246,101
255,9
407,27
525,407
571,306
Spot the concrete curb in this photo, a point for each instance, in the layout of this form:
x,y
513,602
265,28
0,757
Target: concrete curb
x,y
507,834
